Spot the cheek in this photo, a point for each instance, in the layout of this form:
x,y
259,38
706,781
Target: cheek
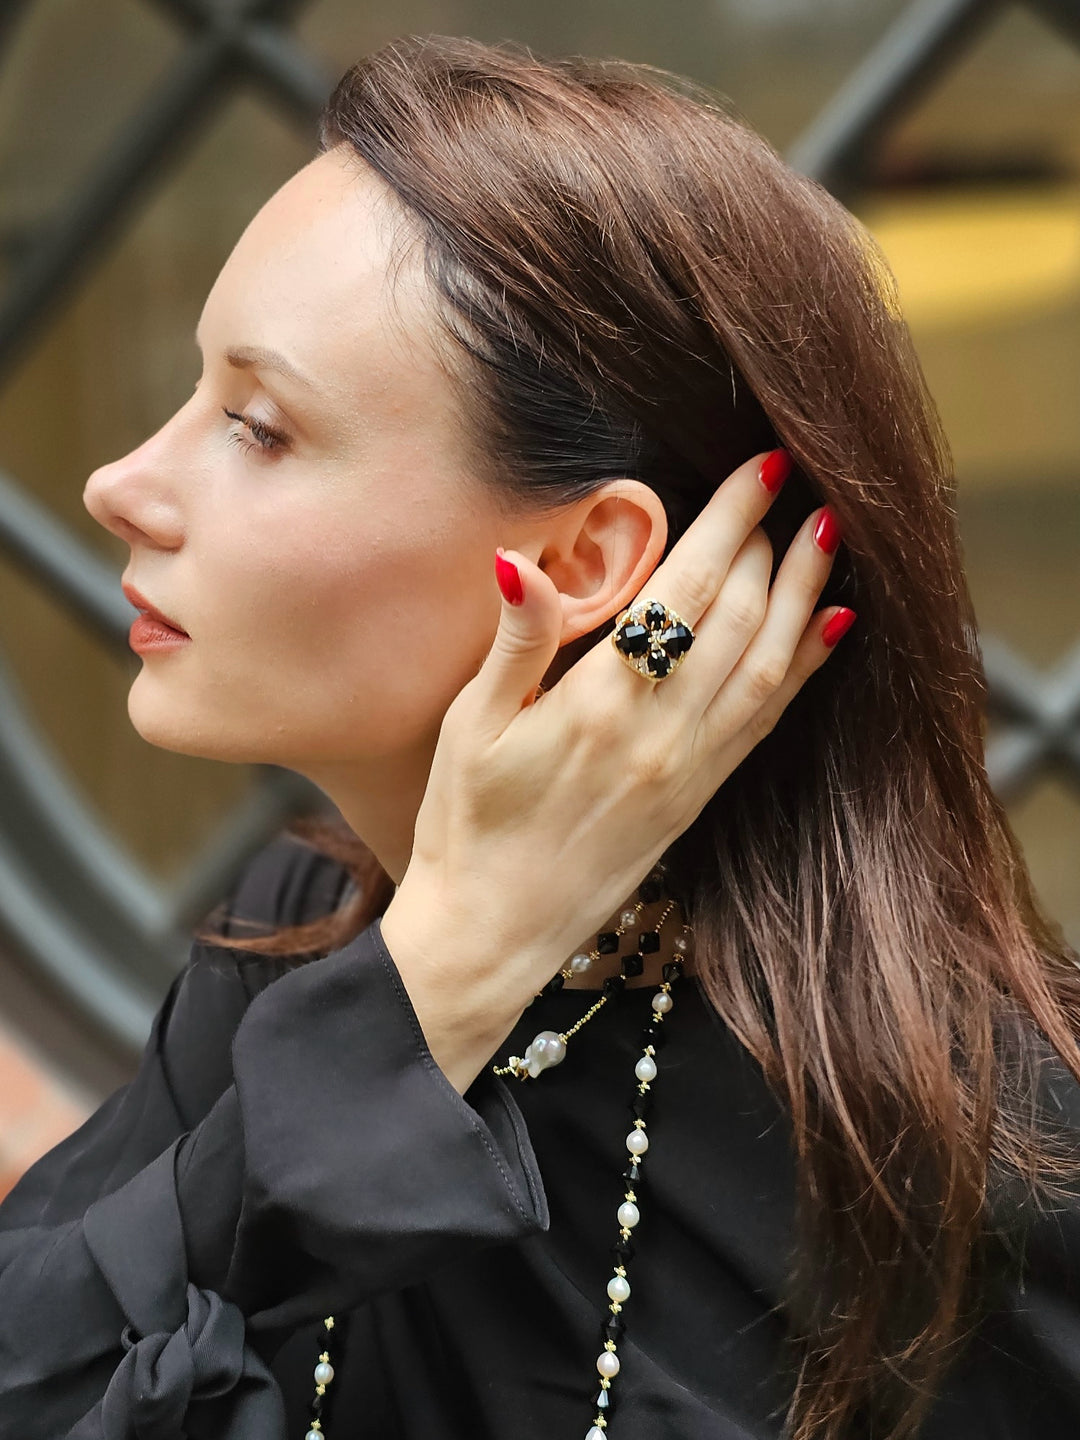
x,y
360,642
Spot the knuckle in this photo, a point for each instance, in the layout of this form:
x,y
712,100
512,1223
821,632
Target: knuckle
x,y
652,764
744,606
767,674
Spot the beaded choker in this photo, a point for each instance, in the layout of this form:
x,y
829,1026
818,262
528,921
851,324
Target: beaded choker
x,y
548,1049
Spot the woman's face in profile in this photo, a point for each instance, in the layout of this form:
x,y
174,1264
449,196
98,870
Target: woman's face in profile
x,y
331,559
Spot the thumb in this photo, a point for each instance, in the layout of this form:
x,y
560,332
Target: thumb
x,y
526,642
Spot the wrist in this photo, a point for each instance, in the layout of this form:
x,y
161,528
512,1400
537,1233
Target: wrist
x,y
457,986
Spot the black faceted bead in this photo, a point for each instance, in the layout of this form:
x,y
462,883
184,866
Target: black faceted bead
x,y
632,965
316,1406
653,1035
623,1250
555,984
639,1105
676,641
655,615
649,891
648,942
672,970
607,942
603,1402
613,1328
613,985
657,664
632,1174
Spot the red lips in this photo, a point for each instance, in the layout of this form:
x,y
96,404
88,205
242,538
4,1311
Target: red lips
x,y
141,603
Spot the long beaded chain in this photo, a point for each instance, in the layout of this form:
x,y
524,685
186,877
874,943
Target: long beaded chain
x,y
547,1049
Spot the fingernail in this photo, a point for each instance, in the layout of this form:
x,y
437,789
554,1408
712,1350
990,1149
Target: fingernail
x,y
827,532
839,625
775,469
509,578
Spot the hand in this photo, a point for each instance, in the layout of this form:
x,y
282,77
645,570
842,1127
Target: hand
x,y
543,812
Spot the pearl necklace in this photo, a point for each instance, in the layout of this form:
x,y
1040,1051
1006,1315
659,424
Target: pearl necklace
x,y
548,1049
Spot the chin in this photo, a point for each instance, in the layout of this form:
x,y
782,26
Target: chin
x,y
165,726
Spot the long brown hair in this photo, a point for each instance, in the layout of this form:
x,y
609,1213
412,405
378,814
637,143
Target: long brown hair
x,y
632,282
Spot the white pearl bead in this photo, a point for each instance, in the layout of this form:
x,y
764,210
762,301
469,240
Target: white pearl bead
x,y
580,963
637,1142
323,1373
681,944
595,1434
662,1002
618,1288
645,1069
314,1435
629,1214
607,1362
627,918
546,1049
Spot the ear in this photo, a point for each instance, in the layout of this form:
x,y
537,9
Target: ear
x,y
600,551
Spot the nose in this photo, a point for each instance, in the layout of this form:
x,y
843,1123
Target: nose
x,y
137,497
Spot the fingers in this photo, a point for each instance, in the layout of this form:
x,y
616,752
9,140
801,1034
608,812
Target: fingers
x,y
791,641
530,625
690,577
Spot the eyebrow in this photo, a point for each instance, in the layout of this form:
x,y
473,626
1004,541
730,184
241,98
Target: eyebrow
x,y
246,357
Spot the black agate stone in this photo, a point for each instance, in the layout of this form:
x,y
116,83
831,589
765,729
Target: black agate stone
x,y
632,639
676,640
652,639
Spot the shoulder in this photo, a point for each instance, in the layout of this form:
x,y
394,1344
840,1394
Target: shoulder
x,y
287,882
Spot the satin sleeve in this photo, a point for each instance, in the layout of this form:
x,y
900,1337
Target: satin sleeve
x,y
152,1263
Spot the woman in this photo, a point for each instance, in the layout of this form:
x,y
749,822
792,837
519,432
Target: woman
x,y
423,1135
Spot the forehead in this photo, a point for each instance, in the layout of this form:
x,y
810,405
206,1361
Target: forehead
x,y
327,273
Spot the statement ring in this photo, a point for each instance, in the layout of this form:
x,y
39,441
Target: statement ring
x,y
651,638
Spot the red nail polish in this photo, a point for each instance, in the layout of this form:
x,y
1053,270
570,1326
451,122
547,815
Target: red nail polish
x,y
509,578
775,469
839,625
827,532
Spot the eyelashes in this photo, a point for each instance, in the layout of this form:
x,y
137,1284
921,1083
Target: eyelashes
x,y
265,438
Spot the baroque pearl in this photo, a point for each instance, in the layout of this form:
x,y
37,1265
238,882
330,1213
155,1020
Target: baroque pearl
x,y
607,1362
681,944
595,1433
629,1214
324,1373
637,1142
645,1069
580,963
548,1048
662,1002
618,1288
627,918
314,1435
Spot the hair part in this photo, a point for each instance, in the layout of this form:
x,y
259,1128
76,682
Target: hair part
x,y
635,283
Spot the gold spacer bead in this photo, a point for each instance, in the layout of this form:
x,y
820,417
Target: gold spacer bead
x,y
605,1382
329,1322
609,1345
621,1270
631,1196
615,1307
320,1389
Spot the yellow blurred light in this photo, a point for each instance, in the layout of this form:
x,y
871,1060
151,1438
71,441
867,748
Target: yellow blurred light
x,y
980,256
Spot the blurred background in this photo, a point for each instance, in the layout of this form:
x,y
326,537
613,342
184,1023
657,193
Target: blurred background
x,y
138,137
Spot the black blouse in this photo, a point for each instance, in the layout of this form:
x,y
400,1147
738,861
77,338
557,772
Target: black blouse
x,y
289,1149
